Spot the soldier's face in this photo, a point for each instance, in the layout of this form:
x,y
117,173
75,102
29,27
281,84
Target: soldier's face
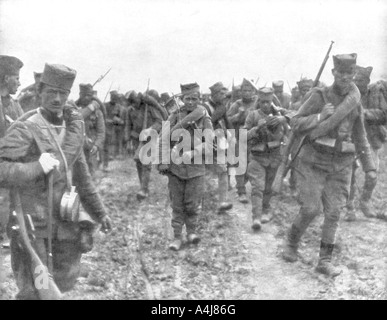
x,y
343,79
86,98
265,104
362,83
12,83
53,99
219,96
247,92
191,101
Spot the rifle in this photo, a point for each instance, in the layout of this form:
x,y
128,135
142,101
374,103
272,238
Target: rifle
x,y
108,92
46,287
295,143
101,77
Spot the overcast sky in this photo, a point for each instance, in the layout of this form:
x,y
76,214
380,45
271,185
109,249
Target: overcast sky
x,y
173,42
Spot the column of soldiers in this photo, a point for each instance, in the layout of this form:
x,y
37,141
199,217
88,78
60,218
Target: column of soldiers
x,y
340,124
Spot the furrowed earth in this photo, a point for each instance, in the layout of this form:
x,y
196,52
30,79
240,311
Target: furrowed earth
x,y
231,261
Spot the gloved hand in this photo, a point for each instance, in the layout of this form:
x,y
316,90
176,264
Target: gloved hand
x,y
327,111
48,162
106,224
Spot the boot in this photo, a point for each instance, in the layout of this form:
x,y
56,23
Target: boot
x,y
289,252
224,206
141,195
365,199
175,245
267,215
193,238
325,265
257,224
242,198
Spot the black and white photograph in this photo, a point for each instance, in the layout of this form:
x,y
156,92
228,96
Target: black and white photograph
x,y
217,150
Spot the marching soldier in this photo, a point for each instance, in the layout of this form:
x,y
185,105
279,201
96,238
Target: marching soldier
x,y
304,85
186,180
333,125
282,99
217,110
237,115
266,131
145,115
375,105
10,110
50,140
29,98
114,122
94,126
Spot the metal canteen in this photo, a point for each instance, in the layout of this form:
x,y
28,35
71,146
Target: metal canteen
x,y
69,205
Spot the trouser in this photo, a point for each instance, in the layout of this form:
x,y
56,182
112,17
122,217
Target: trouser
x,y
106,149
143,172
92,161
66,265
117,139
322,191
221,171
368,188
186,196
261,174
4,210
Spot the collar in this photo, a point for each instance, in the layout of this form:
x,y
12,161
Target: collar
x,y
51,117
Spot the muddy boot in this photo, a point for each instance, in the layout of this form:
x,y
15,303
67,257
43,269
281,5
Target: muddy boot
x,y
193,238
365,204
257,224
289,252
351,214
224,206
267,215
242,198
141,195
325,265
175,245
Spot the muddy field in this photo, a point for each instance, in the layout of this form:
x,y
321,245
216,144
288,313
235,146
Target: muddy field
x,y
230,262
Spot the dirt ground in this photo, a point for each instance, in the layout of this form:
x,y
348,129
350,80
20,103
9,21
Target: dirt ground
x,y
231,262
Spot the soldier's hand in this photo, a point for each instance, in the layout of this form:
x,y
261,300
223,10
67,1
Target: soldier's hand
x,y
93,150
371,176
48,162
327,111
274,121
106,224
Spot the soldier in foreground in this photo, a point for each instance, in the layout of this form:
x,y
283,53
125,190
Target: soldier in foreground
x,y
237,115
266,130
29,98
216,108
94,126
47,145
185,180
10,110
333,125
374,105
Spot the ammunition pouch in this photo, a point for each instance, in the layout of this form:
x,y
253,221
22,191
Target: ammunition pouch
x,y
333,146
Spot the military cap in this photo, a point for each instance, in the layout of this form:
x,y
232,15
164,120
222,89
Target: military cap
x,y
85,88
190,88
363,72
37,75
246,82
129,93
265,91
165,96
278,84
345,62
305,83
217,87
153,93
114,93
58,76
9,65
